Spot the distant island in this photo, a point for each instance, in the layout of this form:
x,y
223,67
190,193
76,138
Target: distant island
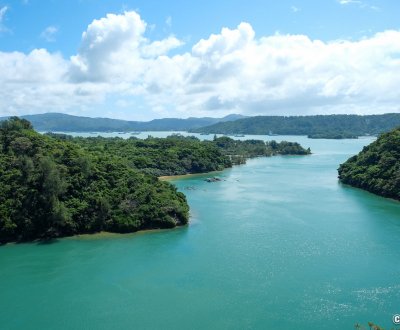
x,y
54,185
59,122
332,136
319,126
377,167
315,127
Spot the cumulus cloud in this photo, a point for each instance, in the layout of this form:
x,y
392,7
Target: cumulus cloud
x,y
231,71
114,49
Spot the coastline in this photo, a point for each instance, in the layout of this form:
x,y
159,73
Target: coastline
x,y
94,236
108,234
189,175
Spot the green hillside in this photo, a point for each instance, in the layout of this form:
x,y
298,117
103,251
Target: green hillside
x,y
58,122
51,188
377,167
329,126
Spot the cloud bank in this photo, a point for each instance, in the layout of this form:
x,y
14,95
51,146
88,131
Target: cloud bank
x,y
232,71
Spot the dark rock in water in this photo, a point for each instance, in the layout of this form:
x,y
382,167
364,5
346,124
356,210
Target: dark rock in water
x,y
214,179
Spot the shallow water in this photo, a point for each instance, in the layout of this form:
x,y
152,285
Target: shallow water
x,y
278,244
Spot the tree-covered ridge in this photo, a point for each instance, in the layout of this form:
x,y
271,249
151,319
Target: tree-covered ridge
x,y
177,155
60,122
51,187
377,167
320,126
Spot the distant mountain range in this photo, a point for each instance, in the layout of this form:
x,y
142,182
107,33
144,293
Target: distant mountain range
x,y
319,126
58,122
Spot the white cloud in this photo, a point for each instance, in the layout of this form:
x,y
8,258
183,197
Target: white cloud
x,y
232,71
346,2
114,49
360,3
3,11
39,66
49,33
161,47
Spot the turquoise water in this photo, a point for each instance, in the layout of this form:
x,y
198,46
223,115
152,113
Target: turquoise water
x,y
278,245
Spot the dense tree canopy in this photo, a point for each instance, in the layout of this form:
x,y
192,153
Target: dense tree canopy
x,y
176,154
377,167
55,185
320,126
51,187
161,156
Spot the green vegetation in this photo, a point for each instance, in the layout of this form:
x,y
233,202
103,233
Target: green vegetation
x,y
51,187
58,122
174,155
177,155
238,151
336,136
55,185
342,126
377,167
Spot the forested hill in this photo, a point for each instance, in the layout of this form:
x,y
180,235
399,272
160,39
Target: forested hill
x,y
377,167
51,187
55,185
58,122
316,126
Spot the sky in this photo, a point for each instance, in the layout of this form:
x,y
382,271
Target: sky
x,y
147,59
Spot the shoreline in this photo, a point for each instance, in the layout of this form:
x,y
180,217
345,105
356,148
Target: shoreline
x,y
189,175
94,236
109,234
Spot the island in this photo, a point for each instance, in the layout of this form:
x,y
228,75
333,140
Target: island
x,y
376,168
54,185
332,136
317,126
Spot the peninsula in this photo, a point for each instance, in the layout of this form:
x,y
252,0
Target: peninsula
x,y
55,185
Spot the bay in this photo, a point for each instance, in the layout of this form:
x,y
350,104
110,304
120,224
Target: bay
x,y
278,244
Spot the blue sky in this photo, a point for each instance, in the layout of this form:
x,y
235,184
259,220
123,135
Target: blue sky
x,y
154,64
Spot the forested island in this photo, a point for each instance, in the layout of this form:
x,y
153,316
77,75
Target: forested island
x,y
56,185
377,167
319,126
333,136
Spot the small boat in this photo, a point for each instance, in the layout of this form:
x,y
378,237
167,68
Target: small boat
x,y
204,133
238,135
135,133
